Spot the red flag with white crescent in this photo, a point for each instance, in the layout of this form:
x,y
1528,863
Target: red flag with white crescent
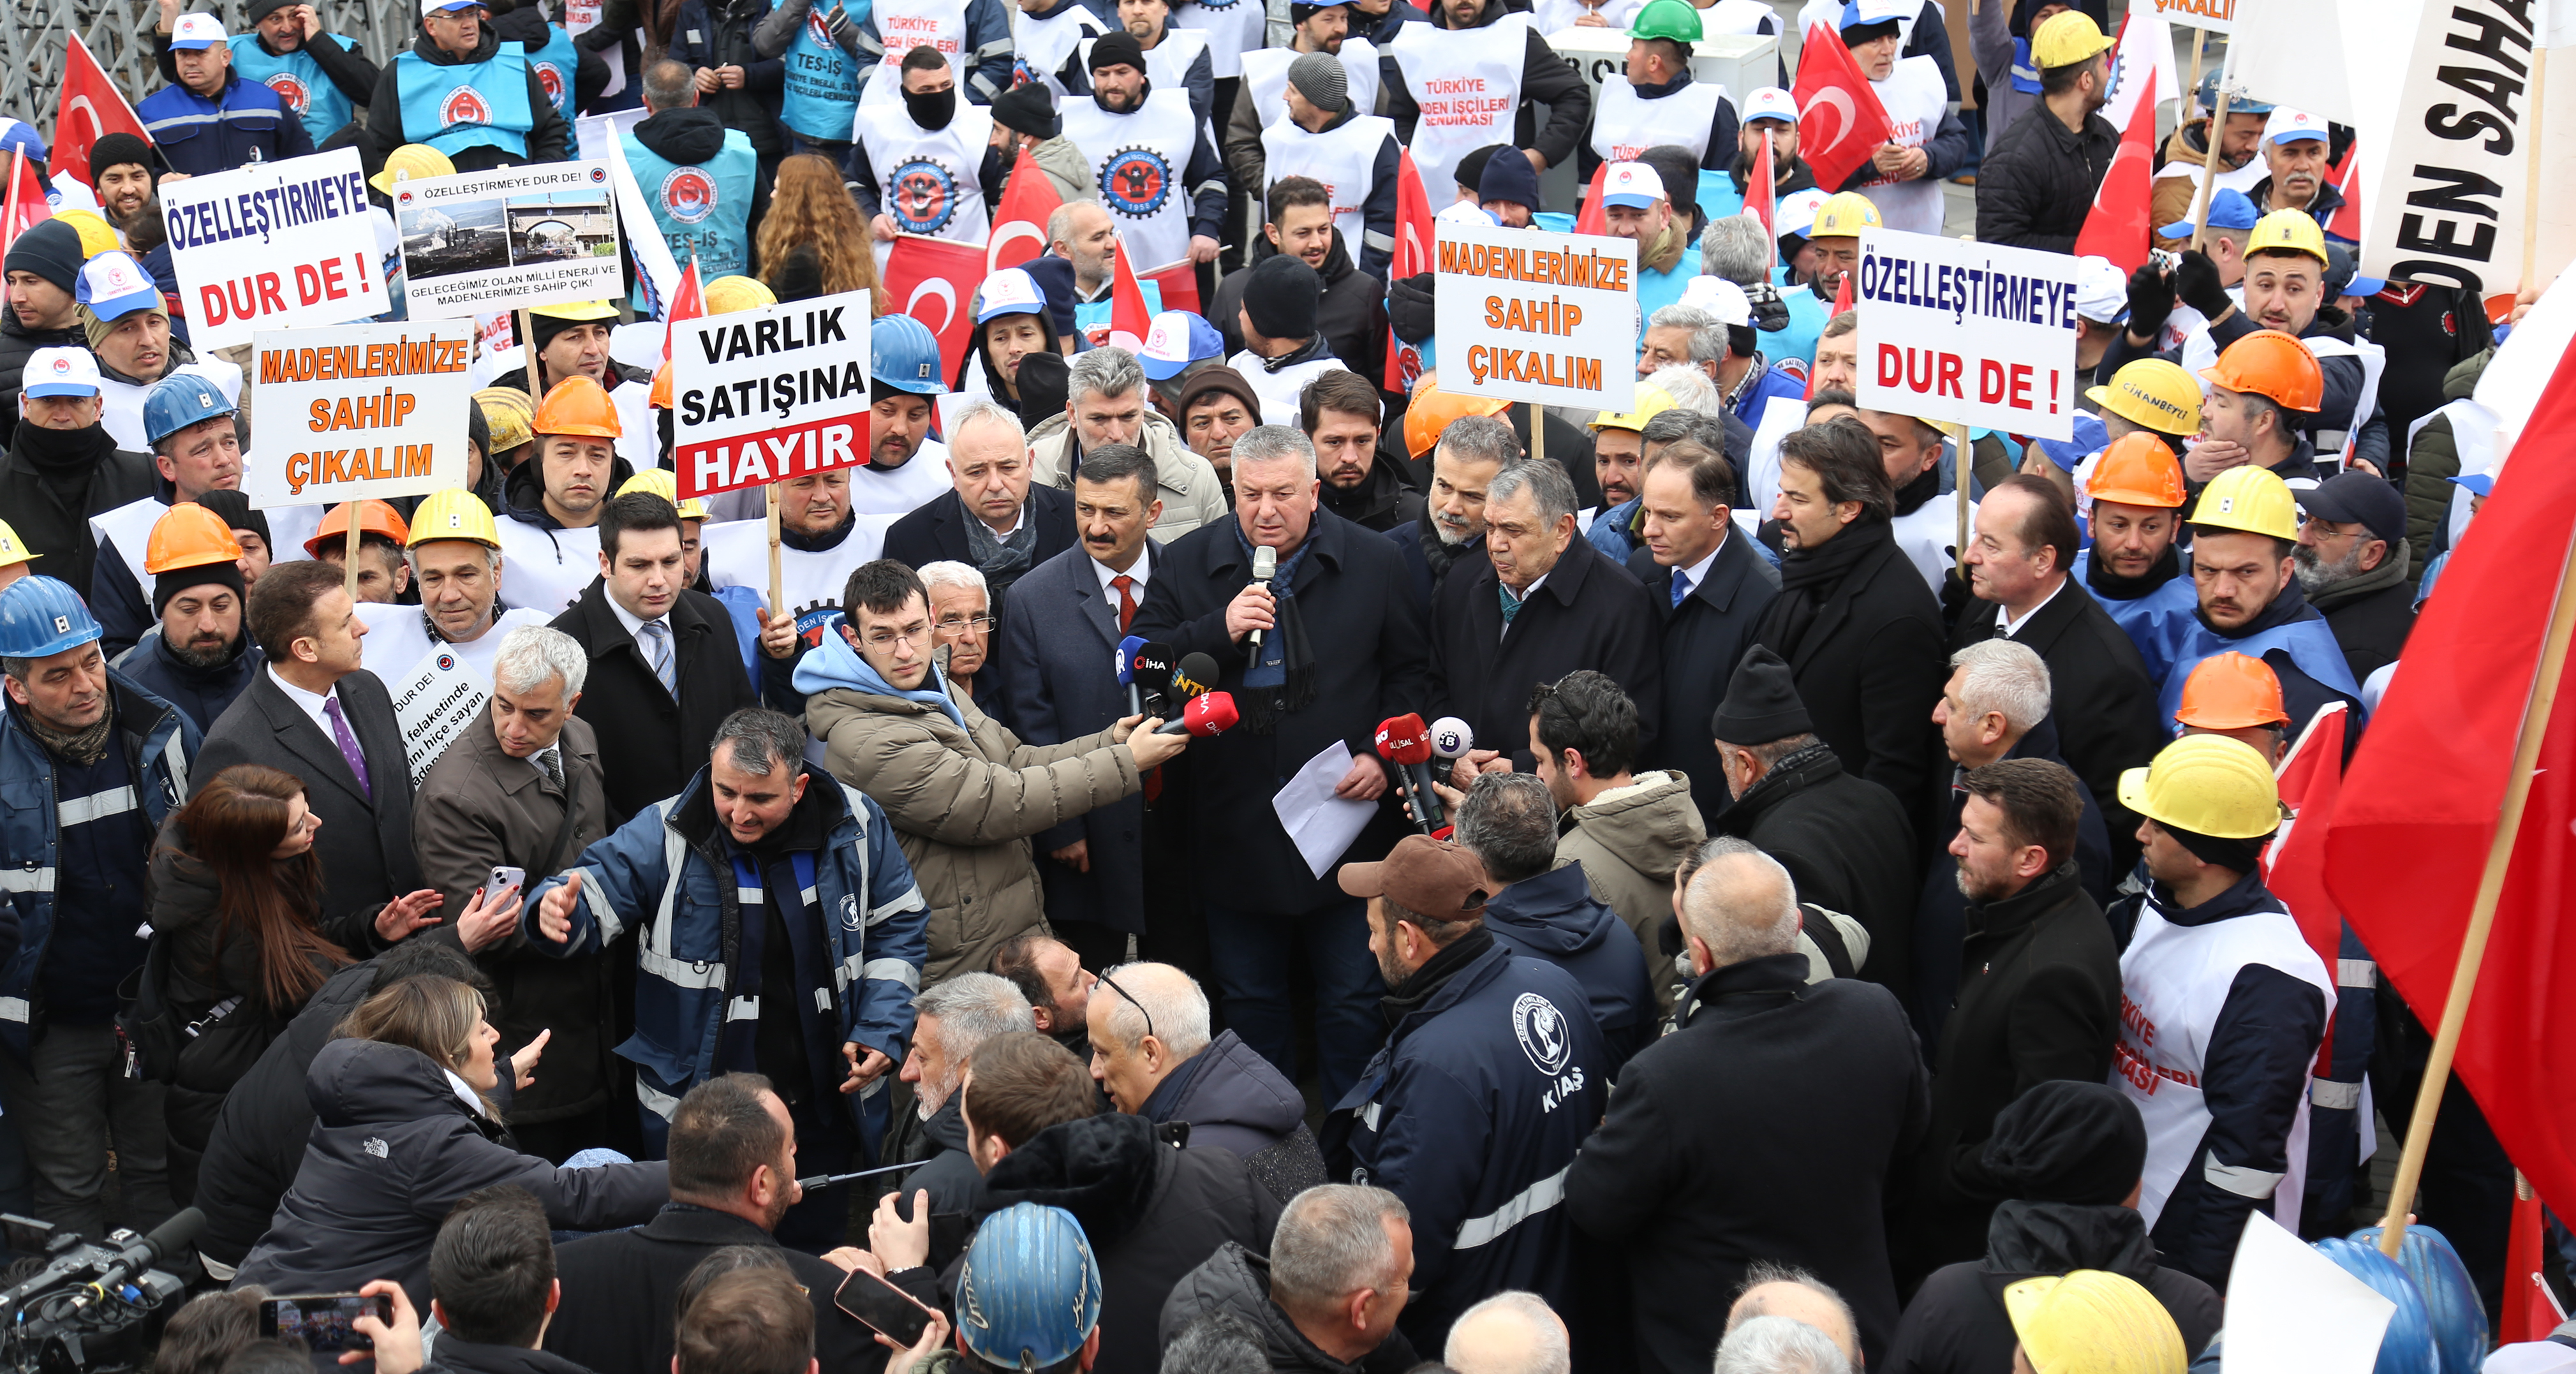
x,y
1416,231
2117,229
934,281
2345,223
1594,217
1129,318
688,302
1179,283
1840,121
1019,222
90,107
1762,201
26,205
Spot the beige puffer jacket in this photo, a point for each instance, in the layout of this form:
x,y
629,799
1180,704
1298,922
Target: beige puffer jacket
x,y
1190,491
1629,840
964,805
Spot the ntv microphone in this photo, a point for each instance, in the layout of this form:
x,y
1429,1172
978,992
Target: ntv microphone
x,y
1405,743
1209,713
1195,677
1127,673
1265,563
1150,664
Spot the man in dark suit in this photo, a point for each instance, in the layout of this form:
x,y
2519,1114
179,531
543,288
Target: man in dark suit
x,y
1710,589
315,713
1544,603
1061,636
1342,648
2020,556
664,671
994,517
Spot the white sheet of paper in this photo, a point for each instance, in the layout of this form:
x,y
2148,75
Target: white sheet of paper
x,y
1321,824
2289,1307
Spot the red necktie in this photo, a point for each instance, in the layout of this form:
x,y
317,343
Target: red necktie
x,y
1126,601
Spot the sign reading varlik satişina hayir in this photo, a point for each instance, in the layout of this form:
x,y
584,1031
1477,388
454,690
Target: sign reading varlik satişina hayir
x,y
272,245
358,411
764,395
1970,333
2449,210
1527,315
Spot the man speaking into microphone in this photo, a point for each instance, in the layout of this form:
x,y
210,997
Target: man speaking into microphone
x,y
1322,652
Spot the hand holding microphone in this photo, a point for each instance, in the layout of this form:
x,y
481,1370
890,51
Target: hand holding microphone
x,y
1405,743
1253,609
1451,741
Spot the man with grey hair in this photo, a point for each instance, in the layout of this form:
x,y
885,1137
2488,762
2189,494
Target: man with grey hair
x,y
770,868
951,1021
455,558
1779,1345
1543,604
1508,821
1511,1332
1785,1290
1682,336
1464,462
1150,1051
1814,1090
994,517
1338,1275
521,788
1106,403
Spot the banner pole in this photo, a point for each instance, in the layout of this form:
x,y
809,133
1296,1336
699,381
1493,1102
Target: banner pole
x,y
777,579
349,561
2532,132
527,341
1538,431
2191,92
1966,468
2209,161
2536,713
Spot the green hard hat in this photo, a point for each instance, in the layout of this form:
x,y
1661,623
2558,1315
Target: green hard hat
x,y
1673,19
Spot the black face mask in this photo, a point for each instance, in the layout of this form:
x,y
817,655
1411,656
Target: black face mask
x,y
931,109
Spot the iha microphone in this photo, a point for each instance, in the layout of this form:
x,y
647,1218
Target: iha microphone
x,y
1405,742
1265,563
1151,663
1209,713
1195,677
1127,672
1451,738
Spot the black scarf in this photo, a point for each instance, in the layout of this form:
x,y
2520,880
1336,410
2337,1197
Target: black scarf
x,y
1280,675
1408,997
2098,575
1915,494
63,460
1809,577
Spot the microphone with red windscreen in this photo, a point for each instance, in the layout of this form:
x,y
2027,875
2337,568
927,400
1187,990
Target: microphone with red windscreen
x,y
1405,743
1208,713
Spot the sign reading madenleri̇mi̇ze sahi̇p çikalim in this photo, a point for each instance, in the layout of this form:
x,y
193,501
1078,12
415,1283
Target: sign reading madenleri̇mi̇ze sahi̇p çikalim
x,y
1527,315
356,411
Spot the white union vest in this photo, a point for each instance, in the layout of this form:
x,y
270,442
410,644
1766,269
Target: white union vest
x,y
1042,45
908,24
1624,125
737,555
1915,101
1233,28
546,570
1139,160
929,180
1344,159
1468,86
1265,74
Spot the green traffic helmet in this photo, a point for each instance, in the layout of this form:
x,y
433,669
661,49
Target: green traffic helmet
x,y
1673,19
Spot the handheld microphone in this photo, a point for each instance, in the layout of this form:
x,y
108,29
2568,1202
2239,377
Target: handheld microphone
x,y
1152,664
1451,738
1265,563
170,1237
1209,713
1126,660
1196,676
1405,742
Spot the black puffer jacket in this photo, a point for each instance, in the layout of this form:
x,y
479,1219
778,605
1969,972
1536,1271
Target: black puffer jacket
x,y
2037,183
1236,1282
1351,314
1848,846
1957,1325
1233,1099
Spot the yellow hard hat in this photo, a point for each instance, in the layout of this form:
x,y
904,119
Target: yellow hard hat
x,y
578,406
95,235
2092,1322
660,482
2288,231
509,414
1651,402
189,536
2206,784
580,312
2248,498
1844,216
453,513
2152,392
411,162
2067,38
14,549
726,295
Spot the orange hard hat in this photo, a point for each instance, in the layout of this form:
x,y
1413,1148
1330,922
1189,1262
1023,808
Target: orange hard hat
x,y
374,517
189,536
578,405
2272,364
2138,469
660,399
1428,414
2231,692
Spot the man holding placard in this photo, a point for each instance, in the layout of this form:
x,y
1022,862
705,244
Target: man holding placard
x,y
459,91
572,341
454,554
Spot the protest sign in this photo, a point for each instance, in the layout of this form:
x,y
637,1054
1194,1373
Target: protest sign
x,y
483,241
1525,315
2217,16
1970,333
433,703
2447,196
361,410
764,395
272,245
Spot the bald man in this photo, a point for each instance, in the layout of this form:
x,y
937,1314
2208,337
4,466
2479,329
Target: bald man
x,y
1511,1332
1775,1290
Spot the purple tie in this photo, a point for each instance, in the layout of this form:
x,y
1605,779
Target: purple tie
x,y
349,750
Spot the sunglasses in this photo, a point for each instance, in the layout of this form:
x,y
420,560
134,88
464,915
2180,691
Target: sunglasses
x,y
1112,984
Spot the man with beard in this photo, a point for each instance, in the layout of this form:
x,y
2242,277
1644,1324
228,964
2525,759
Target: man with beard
x,y
1926,529
321,77
1655,101
120,173
952,1021
509,119
2178,167
62,467
1619,463
1339,412
2352,565
906,468
1350,315
196,449
210,119
1351,153
2244,531
2037,182
2264,385
383,576
453,552
1772,111
1177,58
1157,171
1260,95
1638,207
43,273
1050,975
1463,463
942,150
2134,566
203,657
572,341
1217,407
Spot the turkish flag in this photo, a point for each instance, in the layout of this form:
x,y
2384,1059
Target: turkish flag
x,y
934,281
2345,223
1179,284
26,202
1129,319
1416,234
2406,845
1594,217
1762,202
688,302
90,107
2118,227
2295,861
1019,222
1842,122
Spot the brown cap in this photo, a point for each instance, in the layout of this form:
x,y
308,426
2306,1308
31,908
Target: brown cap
x,y
1439,879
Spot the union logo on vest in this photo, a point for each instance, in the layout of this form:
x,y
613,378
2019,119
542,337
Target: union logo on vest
x,y
292,91
551,77
1542,1032
689,194
464,105
925,196
816,29
1136,181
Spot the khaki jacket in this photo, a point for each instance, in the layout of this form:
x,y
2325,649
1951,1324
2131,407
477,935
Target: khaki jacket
x,y
1191,494
1629,841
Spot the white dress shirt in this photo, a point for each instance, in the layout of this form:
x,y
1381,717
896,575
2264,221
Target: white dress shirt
x,y
311,703
2007,627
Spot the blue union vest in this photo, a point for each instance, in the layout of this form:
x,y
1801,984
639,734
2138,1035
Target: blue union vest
x,y
472,105
554,65
298,81
821,98
700,207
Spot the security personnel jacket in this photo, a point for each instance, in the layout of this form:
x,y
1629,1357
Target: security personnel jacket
x,y
246,122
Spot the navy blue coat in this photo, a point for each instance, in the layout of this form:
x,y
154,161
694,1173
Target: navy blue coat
x,y
199,693
246,123
1554,918
1587,613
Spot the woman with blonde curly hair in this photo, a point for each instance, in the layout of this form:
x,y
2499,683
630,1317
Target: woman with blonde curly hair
x,y
812,242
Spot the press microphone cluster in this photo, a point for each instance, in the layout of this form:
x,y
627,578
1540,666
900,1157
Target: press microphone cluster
x,y
1405,743
1208,713
1126,660
1451,738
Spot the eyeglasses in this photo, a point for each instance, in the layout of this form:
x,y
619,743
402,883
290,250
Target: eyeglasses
x,y
980,624
1112,984
887,639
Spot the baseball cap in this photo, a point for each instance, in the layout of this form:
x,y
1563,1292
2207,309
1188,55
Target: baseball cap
x,y
1857,13
114,285
196,31
2287,124
2238,102
1771,102
2479,483
1719,297
1632,184
1797,212
1176,339
1437,878
2089,438
2229,209
2361,499
1466,212
434,6
62,372
2101,290
1028,1292
1009,292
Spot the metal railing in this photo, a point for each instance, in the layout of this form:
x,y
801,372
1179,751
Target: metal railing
x,y
119,34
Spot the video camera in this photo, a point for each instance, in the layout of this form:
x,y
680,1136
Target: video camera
x,y
86,1309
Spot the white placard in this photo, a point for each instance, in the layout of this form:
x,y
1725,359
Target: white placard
x,y
2217,16
478,242
2448,205
1528,315
434,703
2289,1307
1972,333
359,410
762,395
272,245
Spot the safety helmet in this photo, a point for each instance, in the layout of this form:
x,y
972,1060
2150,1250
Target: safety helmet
x,y
374,517
2451,1304
2152,392
2270,363
14,549
452,513
178,401
579,312
660,482
1028,1294
2138,470
96,235
725,295
189,536
1651,402
907,356
1673,19
2251,499
1431,410
1844,216
509,414
2238,102
42,616
659,398
2063,42
579,406
2101,1322
2206,784
2231,691
2406,1347
411,162
2288,231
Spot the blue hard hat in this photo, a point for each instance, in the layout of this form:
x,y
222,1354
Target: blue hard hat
x,y
2089,438
2237,102
42,616
907,356
178,401
2407,1348
2451,1303
1029,1293
2229,209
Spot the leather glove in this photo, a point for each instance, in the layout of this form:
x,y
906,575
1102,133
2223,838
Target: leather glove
x,y
2151,301
2196,281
